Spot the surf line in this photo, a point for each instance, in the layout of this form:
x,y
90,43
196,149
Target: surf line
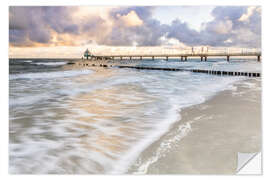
x,y
213,72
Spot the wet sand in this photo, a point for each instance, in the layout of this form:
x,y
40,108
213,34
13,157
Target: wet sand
x,y
208,137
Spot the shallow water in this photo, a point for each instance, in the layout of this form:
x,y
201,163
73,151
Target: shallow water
x,y
100,120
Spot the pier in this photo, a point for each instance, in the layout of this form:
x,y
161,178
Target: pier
x,y
182,56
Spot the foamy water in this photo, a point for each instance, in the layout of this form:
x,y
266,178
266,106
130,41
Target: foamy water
x,y
48,75
86,121
49,63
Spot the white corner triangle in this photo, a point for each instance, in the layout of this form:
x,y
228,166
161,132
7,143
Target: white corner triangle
x,y
249,163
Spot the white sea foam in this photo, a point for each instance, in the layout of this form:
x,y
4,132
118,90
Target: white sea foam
x,y
50,63
26,100
48,75
165,147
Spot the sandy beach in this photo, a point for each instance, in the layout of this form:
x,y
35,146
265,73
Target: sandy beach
x,y
208,137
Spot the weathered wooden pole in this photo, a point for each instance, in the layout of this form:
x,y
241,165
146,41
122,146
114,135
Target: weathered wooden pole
x,y
130,57
121,57
141,58
228,58
201,58
181,58
153,57
259,58
167,58
186,58
205,58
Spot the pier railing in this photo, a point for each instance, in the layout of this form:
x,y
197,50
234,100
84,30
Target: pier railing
x,y
183,54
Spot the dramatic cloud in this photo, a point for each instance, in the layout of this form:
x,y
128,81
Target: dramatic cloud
x,y
231,26
131,19
129,26
34,25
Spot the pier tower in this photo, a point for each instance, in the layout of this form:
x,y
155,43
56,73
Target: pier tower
x,y
87,54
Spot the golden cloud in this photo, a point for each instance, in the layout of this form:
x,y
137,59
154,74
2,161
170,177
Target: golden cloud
x,y
131,19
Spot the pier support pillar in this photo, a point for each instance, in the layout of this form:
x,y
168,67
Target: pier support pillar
x,y
228,58
141,58
205,58
153,57
167,58
130,57
259,59
121,57
186,58
201,58
181,58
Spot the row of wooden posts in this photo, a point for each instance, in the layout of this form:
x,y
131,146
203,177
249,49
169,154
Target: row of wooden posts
x,y
213,72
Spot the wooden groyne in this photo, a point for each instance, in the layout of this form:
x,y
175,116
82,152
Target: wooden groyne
x,y
212,72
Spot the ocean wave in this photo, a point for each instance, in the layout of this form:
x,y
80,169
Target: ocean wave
x,y
28,61
50,63
48,75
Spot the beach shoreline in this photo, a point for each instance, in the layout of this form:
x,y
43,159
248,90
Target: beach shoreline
x,y
194,127
183,150
209,135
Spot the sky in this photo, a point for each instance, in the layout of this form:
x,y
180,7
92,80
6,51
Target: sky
x,y
66,31
193,15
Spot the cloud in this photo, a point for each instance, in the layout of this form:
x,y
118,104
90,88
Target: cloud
x,y
133,26
226,29
131,19
129,26
34,24
248,14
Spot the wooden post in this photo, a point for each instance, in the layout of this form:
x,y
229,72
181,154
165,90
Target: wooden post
x,y
259,58
130,57
167,58
153,57
228,58
141,58
205,58
186,58
181,58
201,58
121,57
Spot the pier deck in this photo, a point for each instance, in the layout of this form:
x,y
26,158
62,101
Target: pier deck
x,y
182,56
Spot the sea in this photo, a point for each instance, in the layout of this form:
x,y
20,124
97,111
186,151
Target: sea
x,y
67,119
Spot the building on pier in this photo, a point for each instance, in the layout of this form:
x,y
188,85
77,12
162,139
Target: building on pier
x,y
87,54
